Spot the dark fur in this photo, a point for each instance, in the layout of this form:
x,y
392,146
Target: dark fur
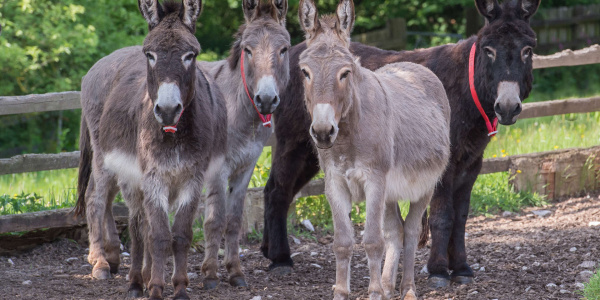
x,y
295,161
85,168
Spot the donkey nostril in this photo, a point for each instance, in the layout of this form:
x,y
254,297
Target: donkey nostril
x,y
312,132
332,131
178,108
518,109
157,109
497,107
257,99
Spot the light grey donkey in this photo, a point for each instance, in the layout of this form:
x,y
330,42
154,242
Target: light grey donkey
x,y
154,126
382,137
256,70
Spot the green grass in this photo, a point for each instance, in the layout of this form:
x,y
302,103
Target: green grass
x,y
591,290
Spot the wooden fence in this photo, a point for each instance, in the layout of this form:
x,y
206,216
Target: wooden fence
x,y
254,203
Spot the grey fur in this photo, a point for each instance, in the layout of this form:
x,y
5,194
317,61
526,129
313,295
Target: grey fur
x,y
386,139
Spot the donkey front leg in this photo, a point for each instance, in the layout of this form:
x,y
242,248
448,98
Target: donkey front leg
x,y
373,238
238,185
412,231
214,223
137,229
343,235
112,242
182,237
156,205
101,188
393,234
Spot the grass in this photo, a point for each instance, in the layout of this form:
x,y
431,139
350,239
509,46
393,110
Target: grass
x,y
591,290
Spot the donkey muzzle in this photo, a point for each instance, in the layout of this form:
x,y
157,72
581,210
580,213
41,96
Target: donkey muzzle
x,y
266,97
168,105
508,103
324,129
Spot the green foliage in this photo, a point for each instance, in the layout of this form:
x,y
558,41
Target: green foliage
x,y
19,203
591,290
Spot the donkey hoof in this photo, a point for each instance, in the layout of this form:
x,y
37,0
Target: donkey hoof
x,y
462,279
114,268
410,295
238,281
435,282
376,296
181,295
135,291
101,273
210,283
281,271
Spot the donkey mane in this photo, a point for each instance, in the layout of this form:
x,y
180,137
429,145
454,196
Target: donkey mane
x,y
265,11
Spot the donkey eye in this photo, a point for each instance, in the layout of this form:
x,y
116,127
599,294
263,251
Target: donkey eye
x,y
151,58
345,74
189,57
248,52
526,53
306,74
490,52
283,51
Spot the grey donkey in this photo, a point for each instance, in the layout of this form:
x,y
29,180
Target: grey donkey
x,y
256,70
382,137
154,126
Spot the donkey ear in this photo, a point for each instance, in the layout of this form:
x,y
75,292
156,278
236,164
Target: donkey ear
x,y
250,9
308,16
345,15
151,11
528,8
490,9
191,12
281,7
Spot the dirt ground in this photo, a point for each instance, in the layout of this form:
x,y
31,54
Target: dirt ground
x,y
522,256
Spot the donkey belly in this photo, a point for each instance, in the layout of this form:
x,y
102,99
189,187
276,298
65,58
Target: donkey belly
x,y
401,185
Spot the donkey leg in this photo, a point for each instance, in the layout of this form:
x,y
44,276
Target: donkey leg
x,y
136,233
412,231
102,186
238,185
393,235
461,271
214,222
294,164
156,206
182,238
112,242
441,220
373,238
343,235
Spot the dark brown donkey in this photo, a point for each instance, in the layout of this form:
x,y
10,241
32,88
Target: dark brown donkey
x,y
503,78
154,126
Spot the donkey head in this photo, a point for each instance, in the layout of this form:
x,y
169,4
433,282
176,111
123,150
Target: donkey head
x,y
171,48
264,43
329,68
504,61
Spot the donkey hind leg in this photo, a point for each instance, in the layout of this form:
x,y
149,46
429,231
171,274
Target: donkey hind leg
x,y
214,222
343,235
412,231
373,238
112,242
137,227
238,185
156,203
393,235
293,166
102,187
182,238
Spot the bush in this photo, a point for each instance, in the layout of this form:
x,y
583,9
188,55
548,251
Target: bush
x,y
591,290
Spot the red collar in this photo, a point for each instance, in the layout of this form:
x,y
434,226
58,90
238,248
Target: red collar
x,y
266,119
492,129
173,128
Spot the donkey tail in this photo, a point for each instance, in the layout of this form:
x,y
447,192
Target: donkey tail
x,y
424,230
85,167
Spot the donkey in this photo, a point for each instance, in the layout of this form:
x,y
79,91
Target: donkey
x,y
380,136
258,65
502,79
154,126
